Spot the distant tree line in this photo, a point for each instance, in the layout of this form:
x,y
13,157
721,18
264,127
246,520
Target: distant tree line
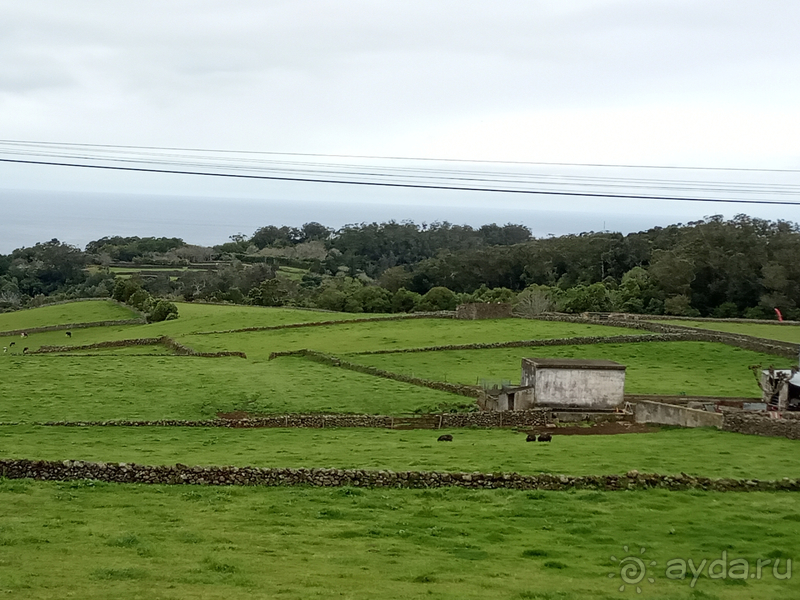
x,y
743,267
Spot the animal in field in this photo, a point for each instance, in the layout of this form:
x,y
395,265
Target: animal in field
x,y
531,437
69,334
12,344
545,437
5,349
445,438
23,335
25,350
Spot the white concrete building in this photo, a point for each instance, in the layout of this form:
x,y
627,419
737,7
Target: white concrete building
x,y
562,383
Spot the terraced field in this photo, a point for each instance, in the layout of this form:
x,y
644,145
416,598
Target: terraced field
x,y
783,332
88,539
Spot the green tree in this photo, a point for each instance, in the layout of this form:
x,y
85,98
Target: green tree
x,y
438,298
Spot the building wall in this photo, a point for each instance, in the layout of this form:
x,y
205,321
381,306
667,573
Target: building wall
x,y
578,387
484,310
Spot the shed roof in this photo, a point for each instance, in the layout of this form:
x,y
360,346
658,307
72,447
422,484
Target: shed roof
x,y
574,363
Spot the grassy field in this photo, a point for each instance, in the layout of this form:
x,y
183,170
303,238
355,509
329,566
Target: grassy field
x,y
93,540
702,452
690,368
45,387
390,335
70,312
778,331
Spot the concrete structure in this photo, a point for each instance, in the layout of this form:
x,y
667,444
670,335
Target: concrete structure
x,y
561,383
671,414
484,310
579,383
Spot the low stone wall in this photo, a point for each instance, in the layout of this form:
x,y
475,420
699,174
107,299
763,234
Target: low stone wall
x,y
443,314
670,414
333,361
537,417
759,423
484,310
746,342
574,341
70,470
168,342
70,326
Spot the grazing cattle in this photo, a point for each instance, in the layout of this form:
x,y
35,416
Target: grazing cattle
x,y
5,349
545,437
531,437
445,438
69,334
12,344
25,350
23,335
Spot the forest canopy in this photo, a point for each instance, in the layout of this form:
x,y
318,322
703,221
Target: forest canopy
x,y
742,267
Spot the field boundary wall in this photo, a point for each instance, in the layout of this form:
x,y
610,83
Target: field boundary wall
x,y
573,341
746,342
72,470
430,315
530,418
470,391
168,342
758,423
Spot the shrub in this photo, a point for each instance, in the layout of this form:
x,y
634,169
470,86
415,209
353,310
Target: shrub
x,y
163,311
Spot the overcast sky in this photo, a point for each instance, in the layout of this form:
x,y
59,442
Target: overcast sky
x,y
690,83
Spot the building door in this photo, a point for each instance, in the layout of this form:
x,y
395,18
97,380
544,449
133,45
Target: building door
x,y
511,401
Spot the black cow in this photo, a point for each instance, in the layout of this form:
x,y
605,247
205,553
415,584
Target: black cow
x,y
69,334
445,438
545,437
531,437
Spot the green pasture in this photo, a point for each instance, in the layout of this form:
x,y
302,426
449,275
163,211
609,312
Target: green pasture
x,y
48,387
192,318
92,540
90,311
391,335
689,368
701,452
779,331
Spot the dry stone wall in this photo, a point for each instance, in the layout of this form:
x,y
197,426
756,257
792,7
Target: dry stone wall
x,y
573,341
537,417
70,470
333,361
746,342
168,342
484,310
444,314
757,423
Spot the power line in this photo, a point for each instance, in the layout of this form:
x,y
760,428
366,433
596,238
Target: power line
x,y
409,158
402,185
